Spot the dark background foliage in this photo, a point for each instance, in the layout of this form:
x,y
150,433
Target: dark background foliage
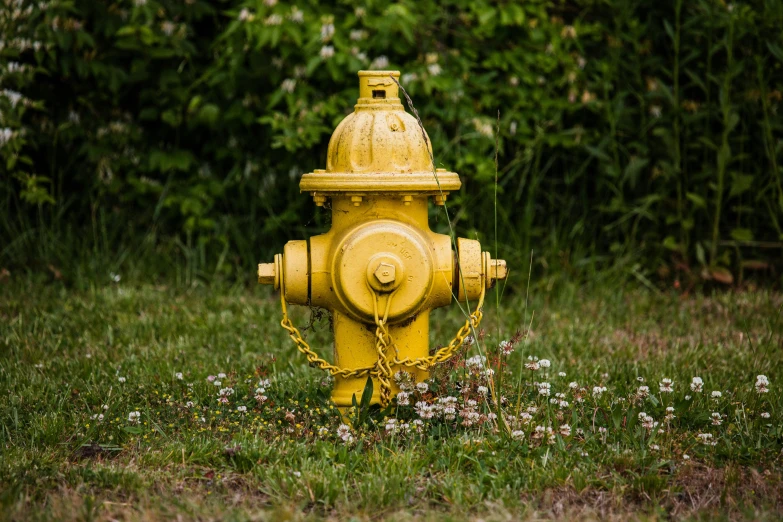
x,y
166,138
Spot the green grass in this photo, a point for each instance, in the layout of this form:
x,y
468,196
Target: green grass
x,y
63,352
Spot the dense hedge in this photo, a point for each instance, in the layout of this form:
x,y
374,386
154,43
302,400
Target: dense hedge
x,y
630,132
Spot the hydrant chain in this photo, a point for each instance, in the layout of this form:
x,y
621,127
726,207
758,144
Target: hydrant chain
x,y
382,368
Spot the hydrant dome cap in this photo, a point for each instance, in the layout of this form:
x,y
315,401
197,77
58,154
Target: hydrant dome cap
x,y
379,147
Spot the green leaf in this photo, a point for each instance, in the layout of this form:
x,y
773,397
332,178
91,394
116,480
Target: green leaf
x,y
742,234
740,184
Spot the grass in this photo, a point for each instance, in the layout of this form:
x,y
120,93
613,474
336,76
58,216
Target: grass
x,y
64,351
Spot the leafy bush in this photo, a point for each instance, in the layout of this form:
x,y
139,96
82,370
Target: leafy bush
x,y
636,135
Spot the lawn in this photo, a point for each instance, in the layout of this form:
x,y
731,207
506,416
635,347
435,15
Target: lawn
x,y
152,402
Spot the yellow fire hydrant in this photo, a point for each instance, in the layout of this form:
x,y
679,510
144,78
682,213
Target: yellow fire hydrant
x,y
379,270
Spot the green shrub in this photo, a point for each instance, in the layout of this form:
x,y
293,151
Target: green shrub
x,y
636,135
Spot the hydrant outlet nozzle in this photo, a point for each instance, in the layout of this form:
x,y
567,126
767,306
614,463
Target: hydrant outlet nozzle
x,y
267,274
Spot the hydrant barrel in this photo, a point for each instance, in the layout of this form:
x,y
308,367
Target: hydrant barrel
x,y
380,269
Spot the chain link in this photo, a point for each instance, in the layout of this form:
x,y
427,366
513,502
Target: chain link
x,y
382,369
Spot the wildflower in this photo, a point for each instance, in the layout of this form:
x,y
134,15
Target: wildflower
x,y
327,31
581,62
422,387
288,85
273,19
565,430
242,409
666,386
525,417
716,394
226,392
561,374
178,376
245,15
704,437
598,391
544,388
716,419
697,384
403,399
685,456
506,347
655,111
358,34
563,404
482,390
380,63
121,379
133,417
297,15
424,410
518,434
568,32
434,69
217,383
688,397
640,379
573,385
762,384
584,454
765,415
602,430
643,391
189,404
469,341
647,421
211,378
13,96
492,416
391,425
655,447
669,414
168,27
545,363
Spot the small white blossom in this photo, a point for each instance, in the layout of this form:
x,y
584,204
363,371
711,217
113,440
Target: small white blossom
x,y
273,19
561,374
297,15
242,409
518,434
178,376
666,386
565,430
403,399
380,63
506,347
573,385
288,85
765,415
245,15
121,379
716,418
697,385
482,390
762,384
716,394
327,31
598,391
327,51
134,416
545,363
422,387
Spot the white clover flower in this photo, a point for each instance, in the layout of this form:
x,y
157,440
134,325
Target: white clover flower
x,y
716,394
242,409
565,430
358,34
762,384
563,404
492,416
422,387
469,340
573,385
598,391
226,392
545,363
655,447
476,362
134,416
688,397
532,365
217,383
344,431
643,391
13,97
211,378
544,388
245,15
121,379
670,409
525,417
716,418
640,379
506,347
704,436
434,69
666,386
765,415
189,404
685,456
482,390
697,385
561,374
518,435
178,376
403,399
221,375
